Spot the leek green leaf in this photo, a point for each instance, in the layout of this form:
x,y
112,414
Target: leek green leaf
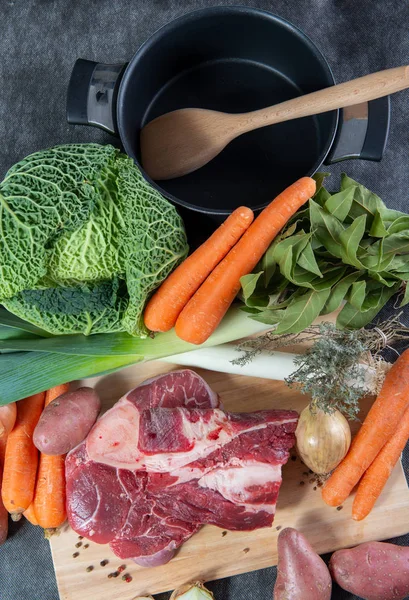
x,y
25,373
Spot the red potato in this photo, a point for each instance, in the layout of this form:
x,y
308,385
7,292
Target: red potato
x,y
66,421
374,570
302,574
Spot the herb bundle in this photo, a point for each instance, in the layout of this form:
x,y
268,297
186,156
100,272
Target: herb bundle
x,y
332,371
345,248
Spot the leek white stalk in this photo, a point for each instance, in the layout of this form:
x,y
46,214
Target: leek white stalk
x,y
192,591
268,365
219,358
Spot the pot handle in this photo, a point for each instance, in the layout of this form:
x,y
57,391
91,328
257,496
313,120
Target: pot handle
x,y
92,94
362,131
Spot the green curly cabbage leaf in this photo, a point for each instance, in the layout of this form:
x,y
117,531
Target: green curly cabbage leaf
x,y
85,240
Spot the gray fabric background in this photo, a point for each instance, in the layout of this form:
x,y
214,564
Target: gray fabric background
x,y
39,42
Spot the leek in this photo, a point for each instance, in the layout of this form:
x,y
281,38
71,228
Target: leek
x,y
267,365
28,365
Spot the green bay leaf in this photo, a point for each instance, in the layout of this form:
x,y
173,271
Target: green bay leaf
x,y
399,225
353,318
396,243
365,202
248,284
322,196
307,261
268,265
356,295
350,239
339,291
378,228
319,178
302,312
389,215
339,204
383,277
269,317
405,299
326,228
399,264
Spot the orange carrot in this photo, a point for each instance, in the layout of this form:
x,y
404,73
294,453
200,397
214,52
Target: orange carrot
x,y
377,429
30,515
207,307
4,515
378,473
168,301
20,464
8,415
49,496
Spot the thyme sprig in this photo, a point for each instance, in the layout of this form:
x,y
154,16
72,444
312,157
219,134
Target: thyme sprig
x,y
331,370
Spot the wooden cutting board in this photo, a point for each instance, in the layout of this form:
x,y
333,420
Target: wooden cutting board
x,y
213,553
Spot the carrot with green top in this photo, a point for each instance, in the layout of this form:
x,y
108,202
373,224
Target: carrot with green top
x,y
378,473
168,301
49,496
377,429
21,460
207,307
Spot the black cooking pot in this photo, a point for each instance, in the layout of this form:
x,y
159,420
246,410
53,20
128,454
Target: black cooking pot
x,y
233,59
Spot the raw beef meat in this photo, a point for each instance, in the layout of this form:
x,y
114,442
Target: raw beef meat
x,y
165,460
103,501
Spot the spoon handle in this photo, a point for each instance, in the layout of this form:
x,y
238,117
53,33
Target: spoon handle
x,y
345,94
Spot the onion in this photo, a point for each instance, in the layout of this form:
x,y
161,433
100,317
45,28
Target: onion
x,y
323,439
192,591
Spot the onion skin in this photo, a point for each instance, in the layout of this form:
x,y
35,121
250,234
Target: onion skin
x,y
182,593
323,439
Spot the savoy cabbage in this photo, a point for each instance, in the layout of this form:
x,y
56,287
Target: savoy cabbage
x,y
84,240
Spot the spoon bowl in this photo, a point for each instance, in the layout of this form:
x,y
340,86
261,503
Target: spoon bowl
x,y
181,141
170,131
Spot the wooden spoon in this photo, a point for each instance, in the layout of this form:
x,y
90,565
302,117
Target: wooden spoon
x,y
184,140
